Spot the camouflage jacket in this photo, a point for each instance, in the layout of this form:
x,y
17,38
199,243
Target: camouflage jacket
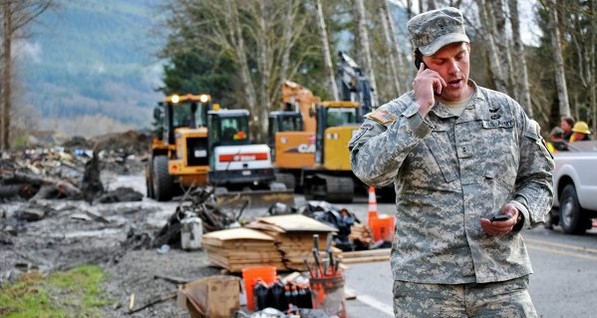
x,y
450,171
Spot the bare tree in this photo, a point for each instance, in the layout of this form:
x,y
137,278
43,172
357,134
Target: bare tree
x,y
489,36
431,5
327,57
385,21
409,12
264,40
581,35
593,67
363,36
522,87
16,15
497,14
560,77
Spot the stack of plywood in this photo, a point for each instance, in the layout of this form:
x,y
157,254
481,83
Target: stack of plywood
x,y
293,235
235,249
361,236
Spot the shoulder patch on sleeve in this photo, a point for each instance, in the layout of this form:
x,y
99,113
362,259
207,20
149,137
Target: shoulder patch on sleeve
x,y
381,117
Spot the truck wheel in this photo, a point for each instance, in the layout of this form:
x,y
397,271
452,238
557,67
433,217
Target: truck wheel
x,y
163,183
571,219
149,179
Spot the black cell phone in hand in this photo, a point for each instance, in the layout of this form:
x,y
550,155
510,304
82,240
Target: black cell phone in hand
x,y
500,217
418,61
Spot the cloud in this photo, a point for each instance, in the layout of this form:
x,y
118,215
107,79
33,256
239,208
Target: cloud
x,y
153,74
28,50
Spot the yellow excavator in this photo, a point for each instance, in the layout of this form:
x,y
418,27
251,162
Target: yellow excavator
x,y
197,144
310,137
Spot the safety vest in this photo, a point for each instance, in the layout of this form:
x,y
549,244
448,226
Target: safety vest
x,y
551,148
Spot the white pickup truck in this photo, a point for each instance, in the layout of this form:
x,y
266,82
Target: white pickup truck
x,y
575,186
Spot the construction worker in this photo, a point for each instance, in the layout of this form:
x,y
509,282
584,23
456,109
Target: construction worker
x,y
556,140
566,123
580,132
470,172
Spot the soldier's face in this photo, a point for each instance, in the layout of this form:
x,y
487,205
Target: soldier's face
x,y
452,62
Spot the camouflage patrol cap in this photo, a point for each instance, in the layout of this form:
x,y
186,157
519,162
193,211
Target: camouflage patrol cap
x,y
431,30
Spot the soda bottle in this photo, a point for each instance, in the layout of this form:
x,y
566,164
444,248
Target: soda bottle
x,y
308,302
294,295
260,292
276,295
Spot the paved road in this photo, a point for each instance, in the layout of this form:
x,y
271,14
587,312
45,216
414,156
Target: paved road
x,y
564,283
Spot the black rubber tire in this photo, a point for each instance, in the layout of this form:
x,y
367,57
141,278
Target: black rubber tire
x,y
163,183
149,179
571,218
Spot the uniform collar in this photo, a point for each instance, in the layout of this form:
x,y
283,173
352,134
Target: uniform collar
x,y
442,111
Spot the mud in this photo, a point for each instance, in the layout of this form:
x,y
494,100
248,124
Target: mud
x,y
113,236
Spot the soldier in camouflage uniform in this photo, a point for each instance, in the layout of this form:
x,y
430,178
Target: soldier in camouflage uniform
x,y
457,154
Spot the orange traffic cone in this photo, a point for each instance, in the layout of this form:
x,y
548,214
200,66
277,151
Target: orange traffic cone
x,y
372,214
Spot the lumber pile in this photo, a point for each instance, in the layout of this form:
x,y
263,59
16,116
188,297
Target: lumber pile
x,y
293,234
366,256
361,236
283,241
235,249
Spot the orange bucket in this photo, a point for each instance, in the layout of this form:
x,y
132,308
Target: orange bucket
x,y
250,276
383,228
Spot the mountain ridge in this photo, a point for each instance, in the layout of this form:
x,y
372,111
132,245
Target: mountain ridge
x,y
93,58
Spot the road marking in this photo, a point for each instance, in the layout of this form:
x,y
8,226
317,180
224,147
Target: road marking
x,y
568,246
372,302
562,252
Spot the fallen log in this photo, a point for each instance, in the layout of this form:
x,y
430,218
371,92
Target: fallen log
x,y
61,187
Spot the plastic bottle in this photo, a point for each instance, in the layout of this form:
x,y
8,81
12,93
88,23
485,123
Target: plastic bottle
x,y
302,301
294,295
260,292
308,302
276,295
287,297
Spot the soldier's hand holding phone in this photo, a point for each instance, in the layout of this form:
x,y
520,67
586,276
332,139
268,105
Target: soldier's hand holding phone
x,y
427,84
502,222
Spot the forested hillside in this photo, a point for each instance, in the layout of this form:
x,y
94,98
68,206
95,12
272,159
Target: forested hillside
x,y
92,61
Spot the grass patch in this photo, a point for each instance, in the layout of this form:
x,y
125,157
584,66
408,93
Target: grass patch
x,y
75,293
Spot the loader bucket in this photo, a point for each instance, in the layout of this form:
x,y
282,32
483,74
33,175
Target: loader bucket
x,y
256,198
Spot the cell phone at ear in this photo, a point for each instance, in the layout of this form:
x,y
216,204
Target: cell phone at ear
x,y
418,61
500,217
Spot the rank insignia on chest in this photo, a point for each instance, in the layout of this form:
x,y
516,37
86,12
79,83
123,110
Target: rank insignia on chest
x,y
381,117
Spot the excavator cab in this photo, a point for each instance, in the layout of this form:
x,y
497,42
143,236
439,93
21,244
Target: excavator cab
x,y
228,128
281,121
335,122
331,179
235,162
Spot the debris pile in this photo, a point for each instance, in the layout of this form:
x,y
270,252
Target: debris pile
x,y
58,173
